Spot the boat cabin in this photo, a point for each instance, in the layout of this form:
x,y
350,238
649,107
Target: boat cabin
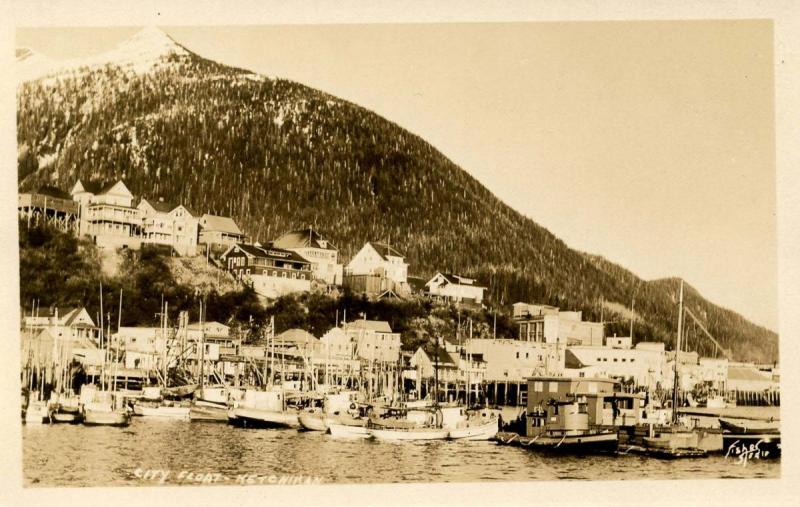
x,y
566,405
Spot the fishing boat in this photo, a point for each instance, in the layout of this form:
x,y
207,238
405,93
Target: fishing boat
x,y
211,404
329,407
36,411
103,407
357,428
263,409
153,404
563,427
408,424
468,425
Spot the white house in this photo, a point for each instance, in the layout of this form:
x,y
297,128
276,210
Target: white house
x,y
455,288
548,324
219,231
168,224
515,360
381,262
108,215
645,364
323,255
373,340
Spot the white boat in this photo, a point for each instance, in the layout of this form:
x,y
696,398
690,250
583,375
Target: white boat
x,y
37,412
716,401
475,430
104,414
397,434
339,430
258,418
312,420
162,411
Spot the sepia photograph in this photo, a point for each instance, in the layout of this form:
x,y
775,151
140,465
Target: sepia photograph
x,y
374,253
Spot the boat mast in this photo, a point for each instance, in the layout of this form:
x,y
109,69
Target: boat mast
x,y
202,349
469,365
102,344
116,351
677,352
436,373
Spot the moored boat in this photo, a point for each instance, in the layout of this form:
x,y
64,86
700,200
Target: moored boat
x,y
398,434
37,412
104,414
466,424
258,418
341,430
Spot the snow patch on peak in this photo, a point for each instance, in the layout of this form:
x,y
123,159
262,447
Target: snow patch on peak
x,y
139,53
145,47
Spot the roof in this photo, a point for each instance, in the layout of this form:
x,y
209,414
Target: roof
x,y
207,324
740,373
107,188
220,224
51,191
304,238
380,326
92,187
160,205
296,336
445,358
269,253
384,250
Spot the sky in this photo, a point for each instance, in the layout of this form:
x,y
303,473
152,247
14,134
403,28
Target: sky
x,y
649,143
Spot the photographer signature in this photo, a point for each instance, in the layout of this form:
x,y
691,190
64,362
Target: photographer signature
x,y
744,452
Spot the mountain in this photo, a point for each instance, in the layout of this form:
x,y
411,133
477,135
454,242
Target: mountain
x,y
277,155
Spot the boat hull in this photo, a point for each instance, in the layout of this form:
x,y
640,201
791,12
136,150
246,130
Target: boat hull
x,y
162,412
598,443
103,418
36,413
338,430
255,418
312,421
387,434
485,431
208,413
65,417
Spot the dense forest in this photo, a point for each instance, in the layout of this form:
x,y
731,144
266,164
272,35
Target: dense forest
x,y
277,155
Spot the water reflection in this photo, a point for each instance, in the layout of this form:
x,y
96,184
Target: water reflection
x,y
67,455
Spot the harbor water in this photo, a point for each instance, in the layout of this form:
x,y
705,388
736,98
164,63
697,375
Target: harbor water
x,y
155,452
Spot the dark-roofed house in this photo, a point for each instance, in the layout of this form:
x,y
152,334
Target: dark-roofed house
x,y
170,224
51,205
323,255
219,231
378,269
455,288
272,272
108,215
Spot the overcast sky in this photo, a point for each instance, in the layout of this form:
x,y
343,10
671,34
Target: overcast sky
x,y
650,143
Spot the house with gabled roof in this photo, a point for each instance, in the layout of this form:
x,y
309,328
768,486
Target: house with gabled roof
x,y
323,255
378,269
107,214
455,288
220,231
170,224
271,271
373,340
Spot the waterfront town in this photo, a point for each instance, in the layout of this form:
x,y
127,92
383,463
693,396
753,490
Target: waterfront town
x,y
560,384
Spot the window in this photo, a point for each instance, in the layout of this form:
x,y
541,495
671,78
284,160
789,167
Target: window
x,y
526,355
599,359
538,387
615,359
517,355
623,359
553,387
631,359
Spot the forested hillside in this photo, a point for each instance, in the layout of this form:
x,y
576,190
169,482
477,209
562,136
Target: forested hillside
x,y
278,155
